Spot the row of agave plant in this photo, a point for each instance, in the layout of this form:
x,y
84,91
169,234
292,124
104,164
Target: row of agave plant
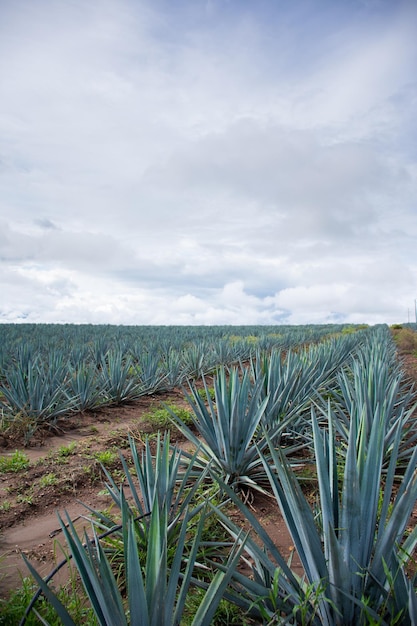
x,y
356,423
37,389
83,340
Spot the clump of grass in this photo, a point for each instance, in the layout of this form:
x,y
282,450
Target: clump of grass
x,y
25,498
203,393
12,609
161,418
63,452
106,457
406,340
48,479
14,463
67,450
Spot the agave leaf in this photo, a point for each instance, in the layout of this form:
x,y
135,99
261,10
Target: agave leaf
x,y
156,558
50,596
351,520
134,579
217,587
96,575
175,600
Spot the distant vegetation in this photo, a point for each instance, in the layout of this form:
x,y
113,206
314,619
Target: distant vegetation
x,y
405,338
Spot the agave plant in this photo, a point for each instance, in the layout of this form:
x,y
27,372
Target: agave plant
x,y
375,387
83,385
293,379
152,591
353,553
197,359
116,378
228,427
173,367
150,369
161,479
36,394
139,572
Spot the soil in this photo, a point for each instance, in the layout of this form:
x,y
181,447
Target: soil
x,y
28,506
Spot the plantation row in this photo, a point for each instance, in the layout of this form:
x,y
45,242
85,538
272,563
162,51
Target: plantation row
x,y
171,551
47,372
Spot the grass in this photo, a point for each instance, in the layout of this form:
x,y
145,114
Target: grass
x,y
406,339
25,498
48,480
64,451
227,614
161,419
14,463
106,457
60,456
12,608
203,393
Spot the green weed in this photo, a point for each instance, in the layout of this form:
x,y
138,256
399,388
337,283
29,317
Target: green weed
x,y
106,457
14,463
12,609
227,614
48,479
64,451
160,418
406,340
203,393
25,498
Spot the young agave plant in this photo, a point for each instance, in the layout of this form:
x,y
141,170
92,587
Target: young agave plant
x,y
153,591
228,427
155,550
354,553
157,480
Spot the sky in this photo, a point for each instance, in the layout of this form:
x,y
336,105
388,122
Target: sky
x,y
208,161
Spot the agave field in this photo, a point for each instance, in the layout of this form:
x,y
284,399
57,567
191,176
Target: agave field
x,y
48,372
318,420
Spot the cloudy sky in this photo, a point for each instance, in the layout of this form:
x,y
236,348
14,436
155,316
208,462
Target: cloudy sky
x,y
208,161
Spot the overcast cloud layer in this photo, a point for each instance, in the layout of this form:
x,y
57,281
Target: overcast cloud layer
x,y
208,162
